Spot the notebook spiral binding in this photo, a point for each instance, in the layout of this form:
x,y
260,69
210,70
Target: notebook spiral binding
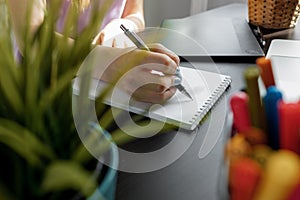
x,y
204,109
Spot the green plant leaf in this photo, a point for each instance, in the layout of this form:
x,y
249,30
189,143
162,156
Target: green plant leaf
x,y
4,194
10,90
18,144
36,94
64,175
53,92
24,142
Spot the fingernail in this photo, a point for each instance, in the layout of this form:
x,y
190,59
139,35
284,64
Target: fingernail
x,y
177,80
177,73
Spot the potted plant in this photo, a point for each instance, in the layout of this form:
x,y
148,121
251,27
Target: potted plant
x,y
41,153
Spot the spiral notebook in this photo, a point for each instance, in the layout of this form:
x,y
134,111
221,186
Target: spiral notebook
x,y
205,88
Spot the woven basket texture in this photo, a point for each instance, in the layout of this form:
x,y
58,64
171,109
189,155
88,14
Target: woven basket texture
x,y
274,14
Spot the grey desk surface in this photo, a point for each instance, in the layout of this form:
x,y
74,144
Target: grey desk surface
x,y
192,175
189,177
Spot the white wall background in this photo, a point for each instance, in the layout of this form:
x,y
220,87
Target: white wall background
x,y
157,10
216,3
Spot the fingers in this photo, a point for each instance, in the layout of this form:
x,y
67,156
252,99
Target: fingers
x,y
161,63
161,83
98,39
145,95
161,49
155,87
147,87
101,39
139,76
134,72
161,59
114,43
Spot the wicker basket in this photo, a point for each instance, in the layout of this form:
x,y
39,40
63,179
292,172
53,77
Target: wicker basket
x,y
273,14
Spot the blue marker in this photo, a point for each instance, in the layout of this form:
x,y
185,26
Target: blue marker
x,y
270,101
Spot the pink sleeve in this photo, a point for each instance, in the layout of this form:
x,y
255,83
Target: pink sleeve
x,y
114,12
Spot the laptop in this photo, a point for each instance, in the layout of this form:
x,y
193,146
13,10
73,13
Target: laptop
x,y
223,33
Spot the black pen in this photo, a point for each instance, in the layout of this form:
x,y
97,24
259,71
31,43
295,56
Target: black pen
x,y
141,45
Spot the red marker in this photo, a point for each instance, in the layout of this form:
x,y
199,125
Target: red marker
x,y
239,107
289,126
295,195
244,177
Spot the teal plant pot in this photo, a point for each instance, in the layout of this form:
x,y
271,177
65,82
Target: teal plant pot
x,y
106,189
82,107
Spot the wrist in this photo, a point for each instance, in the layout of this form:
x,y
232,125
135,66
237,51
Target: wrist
x,y
137,20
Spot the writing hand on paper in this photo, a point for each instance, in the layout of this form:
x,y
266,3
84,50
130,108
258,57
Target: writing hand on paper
x,y
133,70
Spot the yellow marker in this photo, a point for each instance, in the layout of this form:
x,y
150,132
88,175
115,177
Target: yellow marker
x,y
282,173
261,153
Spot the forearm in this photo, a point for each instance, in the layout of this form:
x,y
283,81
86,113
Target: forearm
x,y
19,10
134,11
137,19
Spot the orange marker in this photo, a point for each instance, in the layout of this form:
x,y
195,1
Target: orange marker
x,y
255,136
237,147
266,71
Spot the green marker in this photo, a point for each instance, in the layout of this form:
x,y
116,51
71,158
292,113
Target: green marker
x,y
255,104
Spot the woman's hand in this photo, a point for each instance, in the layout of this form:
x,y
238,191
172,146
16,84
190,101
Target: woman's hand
x,y
132,18
112,35
147,75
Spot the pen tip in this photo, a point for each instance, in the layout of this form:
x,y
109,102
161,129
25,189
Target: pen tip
x,y
190,96
183,91
187,94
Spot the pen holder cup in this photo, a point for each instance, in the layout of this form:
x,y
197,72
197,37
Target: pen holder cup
x,y
273,14
251,166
